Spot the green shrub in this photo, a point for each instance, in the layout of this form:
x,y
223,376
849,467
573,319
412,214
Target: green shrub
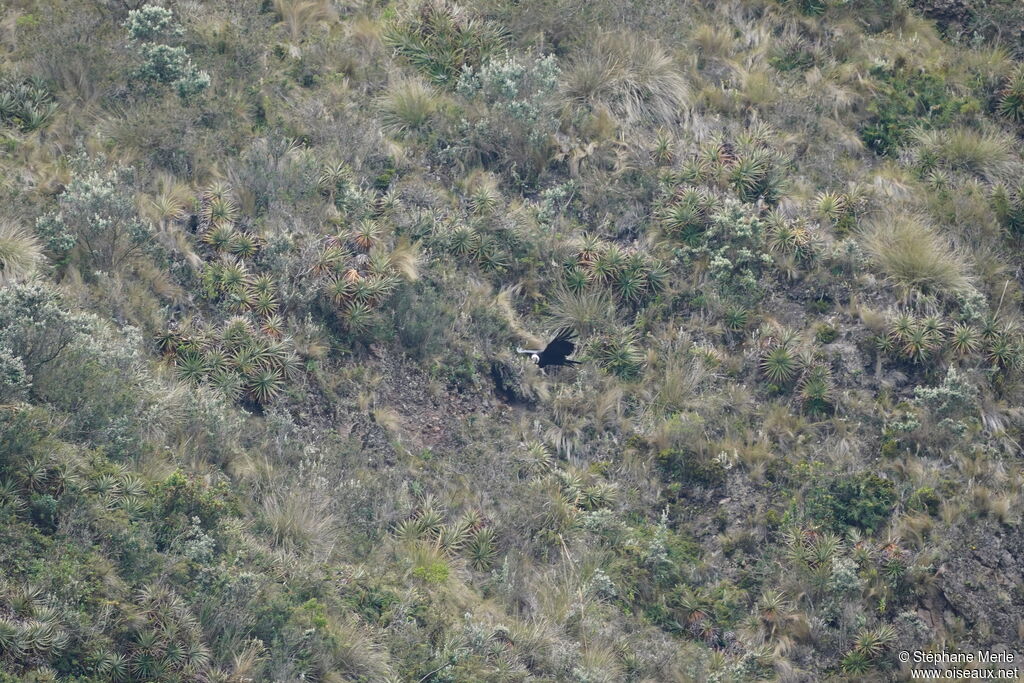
x,y
861,500
96,222
905,100
732,243
687,468
513,116
435,572
159,63
34,327
151,22
178,499
925,499
421,320
825,333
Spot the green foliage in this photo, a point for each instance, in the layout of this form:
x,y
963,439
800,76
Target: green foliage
x,y
151,22
26,104
514,115
780,364
825,333
178,499
863,501
95,224
618,354
925,499
905,100
684,468
687,216
733,249
159,63
34,327
435,572
441,39
1011,98
420,319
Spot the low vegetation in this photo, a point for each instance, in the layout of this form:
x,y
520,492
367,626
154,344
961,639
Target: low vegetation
x,y
264,268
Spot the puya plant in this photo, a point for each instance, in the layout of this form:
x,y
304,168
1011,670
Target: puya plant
x,y
440,39
26,104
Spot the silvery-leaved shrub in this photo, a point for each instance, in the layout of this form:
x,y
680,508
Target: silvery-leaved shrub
x,y
34,328
13,380
96,221
163,64
150,23
512,117
151,28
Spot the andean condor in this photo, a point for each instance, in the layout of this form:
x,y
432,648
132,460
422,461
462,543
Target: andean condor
x,y
557,351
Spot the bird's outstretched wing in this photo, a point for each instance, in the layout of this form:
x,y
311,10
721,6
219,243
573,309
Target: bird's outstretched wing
x,y
560,348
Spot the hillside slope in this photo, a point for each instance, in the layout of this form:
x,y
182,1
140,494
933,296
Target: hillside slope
x,y
264,267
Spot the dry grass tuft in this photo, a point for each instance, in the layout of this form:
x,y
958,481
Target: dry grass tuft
x,y
408,107
296,521
20,253
636,79
915,257
987,154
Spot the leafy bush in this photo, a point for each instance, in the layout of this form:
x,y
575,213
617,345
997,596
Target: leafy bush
x,y
906,100
735,251
34,327
862,500
13,380
151,22
420,320
159,63
96,223
687,468
513,114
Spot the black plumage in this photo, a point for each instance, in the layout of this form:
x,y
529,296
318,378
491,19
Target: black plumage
x,y
557,351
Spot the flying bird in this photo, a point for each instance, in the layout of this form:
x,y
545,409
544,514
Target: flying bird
x,y
557,351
